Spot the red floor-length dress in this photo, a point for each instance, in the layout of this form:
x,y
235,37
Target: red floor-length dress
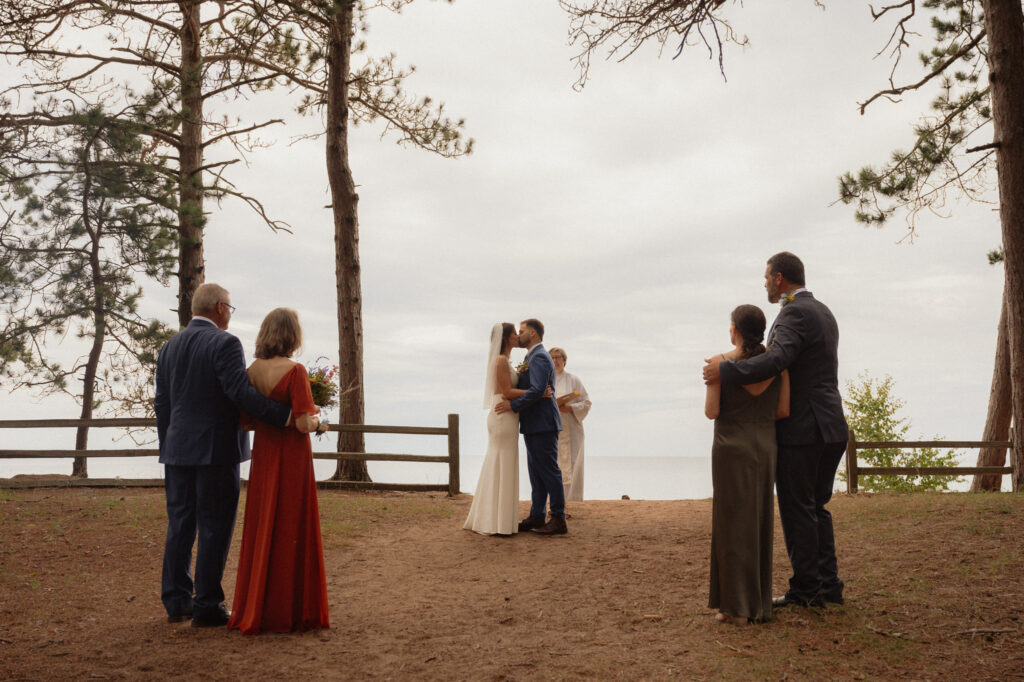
x,y
281,583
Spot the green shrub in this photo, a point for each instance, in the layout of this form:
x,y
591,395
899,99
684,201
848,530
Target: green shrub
x,y
871,410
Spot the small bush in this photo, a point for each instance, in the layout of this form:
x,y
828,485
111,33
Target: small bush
x,y
871,410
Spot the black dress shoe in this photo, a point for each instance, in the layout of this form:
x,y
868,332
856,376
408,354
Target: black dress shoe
x,y
787,600
832,598
530,522
555,526
216,619
180,617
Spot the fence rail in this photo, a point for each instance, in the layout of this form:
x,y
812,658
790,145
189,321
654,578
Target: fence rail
x,y
451,431
853,470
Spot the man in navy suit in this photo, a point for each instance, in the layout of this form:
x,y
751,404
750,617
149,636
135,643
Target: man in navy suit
x,y
804,339
201,385
539,422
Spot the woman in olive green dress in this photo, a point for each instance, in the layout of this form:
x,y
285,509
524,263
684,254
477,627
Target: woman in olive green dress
x,y
743,476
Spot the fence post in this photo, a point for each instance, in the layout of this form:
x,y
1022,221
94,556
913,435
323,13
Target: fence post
x,y
453,454
851,464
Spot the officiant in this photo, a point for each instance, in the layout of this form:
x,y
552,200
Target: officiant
x,y
574,405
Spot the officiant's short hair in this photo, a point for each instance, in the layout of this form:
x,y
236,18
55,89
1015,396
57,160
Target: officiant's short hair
x,y
787,265
280,334
535,324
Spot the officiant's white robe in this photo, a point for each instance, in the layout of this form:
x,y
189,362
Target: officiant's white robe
x,y
570,440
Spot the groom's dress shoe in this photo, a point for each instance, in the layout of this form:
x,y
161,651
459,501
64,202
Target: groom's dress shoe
x,y
218,618
530,522
786,600
180,617
555,526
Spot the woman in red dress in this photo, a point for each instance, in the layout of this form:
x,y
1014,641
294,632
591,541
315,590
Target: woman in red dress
x,y
281,585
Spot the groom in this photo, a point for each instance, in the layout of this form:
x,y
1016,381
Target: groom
x,y
539,423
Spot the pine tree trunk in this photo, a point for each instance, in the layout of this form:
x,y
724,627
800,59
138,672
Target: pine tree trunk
x,y
1004,24
79,468
191,271
344,202
997,423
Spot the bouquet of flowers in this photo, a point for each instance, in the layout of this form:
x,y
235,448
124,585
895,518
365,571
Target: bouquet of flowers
x,y
322,384
324,388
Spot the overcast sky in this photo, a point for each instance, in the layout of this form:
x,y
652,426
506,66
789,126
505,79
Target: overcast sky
x,y
630,218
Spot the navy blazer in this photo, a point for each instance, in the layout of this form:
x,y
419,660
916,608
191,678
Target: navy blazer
x,y
804,340
201,385
537,413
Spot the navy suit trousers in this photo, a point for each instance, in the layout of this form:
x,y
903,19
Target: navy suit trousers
x,y
203,500
805,475
545,476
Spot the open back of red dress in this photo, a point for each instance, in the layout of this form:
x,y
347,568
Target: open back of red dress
x,y
281,583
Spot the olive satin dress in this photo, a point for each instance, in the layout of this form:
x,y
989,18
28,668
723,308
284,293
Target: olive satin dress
x,y
743,507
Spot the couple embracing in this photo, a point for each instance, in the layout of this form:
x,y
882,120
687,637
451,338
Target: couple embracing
x,y
794,381
202,391
519,402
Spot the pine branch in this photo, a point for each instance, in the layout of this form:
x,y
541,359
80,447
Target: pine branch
x,y
895,91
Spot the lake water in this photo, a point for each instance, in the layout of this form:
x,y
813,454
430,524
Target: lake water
x,y
607,478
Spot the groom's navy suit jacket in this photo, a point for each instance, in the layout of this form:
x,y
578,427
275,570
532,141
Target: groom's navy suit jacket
x,y
200,386
537,414
805,340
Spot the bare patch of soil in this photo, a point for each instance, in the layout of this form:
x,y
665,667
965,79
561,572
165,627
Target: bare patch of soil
x,y
934,591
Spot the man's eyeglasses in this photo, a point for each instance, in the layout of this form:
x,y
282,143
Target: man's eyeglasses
x,y
230,307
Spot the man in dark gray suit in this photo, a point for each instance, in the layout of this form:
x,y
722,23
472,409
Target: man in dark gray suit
x,y
804,339
201,385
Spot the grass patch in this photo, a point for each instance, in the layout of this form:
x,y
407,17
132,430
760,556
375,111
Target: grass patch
x,y
391,509
344,516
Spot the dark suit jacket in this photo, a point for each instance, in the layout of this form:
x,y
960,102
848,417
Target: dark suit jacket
x,y
201,385
537,413
804,340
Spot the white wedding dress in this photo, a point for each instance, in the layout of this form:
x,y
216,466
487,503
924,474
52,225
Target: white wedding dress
x,y
495,508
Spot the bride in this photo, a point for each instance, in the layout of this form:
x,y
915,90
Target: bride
x,y
495,509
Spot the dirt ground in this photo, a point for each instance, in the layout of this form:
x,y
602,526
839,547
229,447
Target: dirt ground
x,y
934,591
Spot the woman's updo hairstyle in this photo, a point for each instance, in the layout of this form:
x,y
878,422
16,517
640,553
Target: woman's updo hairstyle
x,y
750,323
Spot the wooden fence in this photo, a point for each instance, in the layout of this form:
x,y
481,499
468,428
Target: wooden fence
x,y
451,431
853,470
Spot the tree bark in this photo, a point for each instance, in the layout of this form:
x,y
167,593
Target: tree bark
x,y
344,204
997,422
79,467
1004,24
191,269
